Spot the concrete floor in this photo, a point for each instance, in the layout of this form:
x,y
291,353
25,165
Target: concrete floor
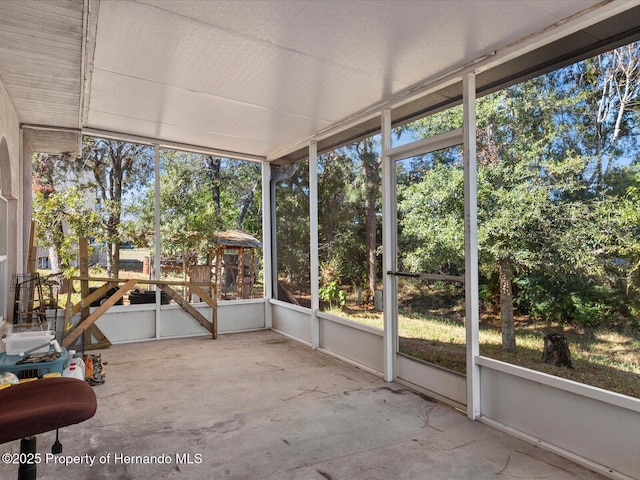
x,y
259,406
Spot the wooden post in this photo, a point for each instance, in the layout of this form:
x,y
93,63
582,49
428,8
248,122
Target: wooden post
x,y
90,320
219,271
211,301
185,291
240,277
32,256
252,272
83,265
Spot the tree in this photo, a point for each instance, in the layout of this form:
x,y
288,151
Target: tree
x,y
430,218
370,191
292,228
199,196
61,210
606,111
117,169
349,204
44,183
547,174
341,223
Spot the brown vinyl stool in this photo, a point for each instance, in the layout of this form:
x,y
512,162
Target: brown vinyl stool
x,y
39,406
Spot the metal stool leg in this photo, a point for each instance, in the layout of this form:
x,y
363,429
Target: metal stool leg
x,y
27,468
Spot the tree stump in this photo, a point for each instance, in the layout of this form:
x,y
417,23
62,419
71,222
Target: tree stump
x,y
556,350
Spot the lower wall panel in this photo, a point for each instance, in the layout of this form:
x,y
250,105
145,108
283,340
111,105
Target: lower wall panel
x,y
595,430
452,387
135,323
240,316
173,321
361,346
292,320
127,324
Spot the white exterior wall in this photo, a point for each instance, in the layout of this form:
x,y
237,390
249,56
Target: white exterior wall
x,y
9,197
10,130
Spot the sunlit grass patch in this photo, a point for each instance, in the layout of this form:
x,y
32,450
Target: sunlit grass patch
x,y
608,360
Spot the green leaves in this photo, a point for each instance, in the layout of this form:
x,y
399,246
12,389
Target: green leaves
x,y
331,292
558,192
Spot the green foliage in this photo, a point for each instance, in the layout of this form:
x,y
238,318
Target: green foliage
x,y
199,196
64,217
292,229
573,299
331,292
116,171
558,193
430,219
341,215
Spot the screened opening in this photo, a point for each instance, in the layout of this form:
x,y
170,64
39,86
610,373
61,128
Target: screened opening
x,y
209,207
349,230
558,221
291,193
108,195
430,277
95,196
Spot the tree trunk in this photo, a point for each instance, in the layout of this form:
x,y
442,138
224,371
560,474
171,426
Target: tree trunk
x,y
246,205
370,223
370,168
213,164
506,306
113,248
54,259
115,260
213,170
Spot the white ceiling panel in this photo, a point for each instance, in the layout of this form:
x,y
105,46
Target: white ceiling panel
x,y
256,77
41,59
205,114
280,71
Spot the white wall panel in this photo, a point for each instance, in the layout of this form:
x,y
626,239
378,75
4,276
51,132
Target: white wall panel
x,y
603,432
358,343
240,316
175,322
292,320
447,386
134,323
130,323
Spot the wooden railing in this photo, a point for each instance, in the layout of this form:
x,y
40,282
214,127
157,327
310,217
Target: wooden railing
x,y
88,319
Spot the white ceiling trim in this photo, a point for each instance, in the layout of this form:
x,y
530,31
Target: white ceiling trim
x,y
91,12
142,140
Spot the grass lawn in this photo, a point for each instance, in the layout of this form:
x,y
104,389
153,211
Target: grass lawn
x,y
608,360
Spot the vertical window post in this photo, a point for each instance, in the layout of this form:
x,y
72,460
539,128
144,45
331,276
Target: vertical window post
x,y
314,242
472,310
390,310
268,222
156,262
